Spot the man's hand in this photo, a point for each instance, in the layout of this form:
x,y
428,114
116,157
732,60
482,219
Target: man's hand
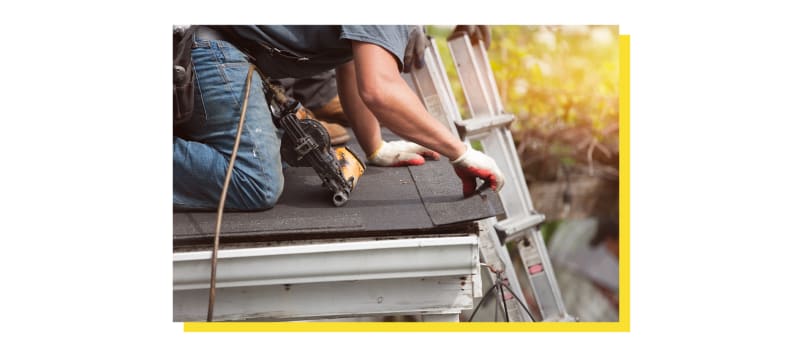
x,y
416,46
476,33
401,153
474,164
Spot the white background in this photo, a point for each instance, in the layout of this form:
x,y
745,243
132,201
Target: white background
x,y
86,174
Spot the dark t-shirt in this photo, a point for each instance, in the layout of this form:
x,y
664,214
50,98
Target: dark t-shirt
x,y
302,51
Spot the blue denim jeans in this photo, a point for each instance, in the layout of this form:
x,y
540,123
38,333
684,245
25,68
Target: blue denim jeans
x,y
202,147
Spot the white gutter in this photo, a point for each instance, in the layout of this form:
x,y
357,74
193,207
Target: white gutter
x,y
330,262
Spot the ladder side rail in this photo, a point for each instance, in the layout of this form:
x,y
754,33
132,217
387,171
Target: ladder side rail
x,y
499,144
491,248
480,56
477,79
433,87
548,294
481,103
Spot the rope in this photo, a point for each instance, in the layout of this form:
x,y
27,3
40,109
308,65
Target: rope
x,y
498,287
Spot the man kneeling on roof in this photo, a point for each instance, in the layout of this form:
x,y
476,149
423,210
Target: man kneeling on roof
x,y
367,60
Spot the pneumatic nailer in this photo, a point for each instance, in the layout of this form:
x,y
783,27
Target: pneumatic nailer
x,y
306,143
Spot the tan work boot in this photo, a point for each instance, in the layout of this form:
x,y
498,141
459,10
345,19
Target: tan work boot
x,y
338,134
332,112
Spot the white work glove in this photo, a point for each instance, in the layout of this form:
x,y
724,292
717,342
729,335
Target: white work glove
x,y
474,164
401,153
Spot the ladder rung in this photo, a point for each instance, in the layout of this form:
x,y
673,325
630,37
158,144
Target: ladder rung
x,y
509,228
478,126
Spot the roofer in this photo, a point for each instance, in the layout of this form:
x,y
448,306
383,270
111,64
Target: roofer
x,y
367,61
319,93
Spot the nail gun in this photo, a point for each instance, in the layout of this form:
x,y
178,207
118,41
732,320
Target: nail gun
x,y
306,143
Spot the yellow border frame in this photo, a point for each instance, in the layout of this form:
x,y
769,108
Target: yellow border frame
x,y
624,265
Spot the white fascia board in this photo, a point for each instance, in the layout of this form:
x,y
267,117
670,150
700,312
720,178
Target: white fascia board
x,y
397,296
330,262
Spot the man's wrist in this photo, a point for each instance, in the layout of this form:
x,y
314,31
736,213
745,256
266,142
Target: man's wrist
x,y
379,147
460,152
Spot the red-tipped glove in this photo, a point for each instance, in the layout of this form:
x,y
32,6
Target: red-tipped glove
x,y
474,164
401,153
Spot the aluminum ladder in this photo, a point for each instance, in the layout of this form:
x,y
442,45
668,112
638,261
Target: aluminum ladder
x,y
489,125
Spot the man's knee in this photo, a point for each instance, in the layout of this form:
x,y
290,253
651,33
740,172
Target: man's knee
x,y
255,193
271,192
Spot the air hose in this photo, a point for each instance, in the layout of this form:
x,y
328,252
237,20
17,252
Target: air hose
x,y
213,278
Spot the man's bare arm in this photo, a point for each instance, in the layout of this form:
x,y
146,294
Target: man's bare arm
x,y
391,101
362,120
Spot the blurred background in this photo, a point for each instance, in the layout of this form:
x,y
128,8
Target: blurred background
x,y
561,83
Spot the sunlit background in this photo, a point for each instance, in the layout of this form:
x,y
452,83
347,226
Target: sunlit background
x,y
561,83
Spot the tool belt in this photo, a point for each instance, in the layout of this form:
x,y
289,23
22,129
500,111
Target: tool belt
x,y
183,83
